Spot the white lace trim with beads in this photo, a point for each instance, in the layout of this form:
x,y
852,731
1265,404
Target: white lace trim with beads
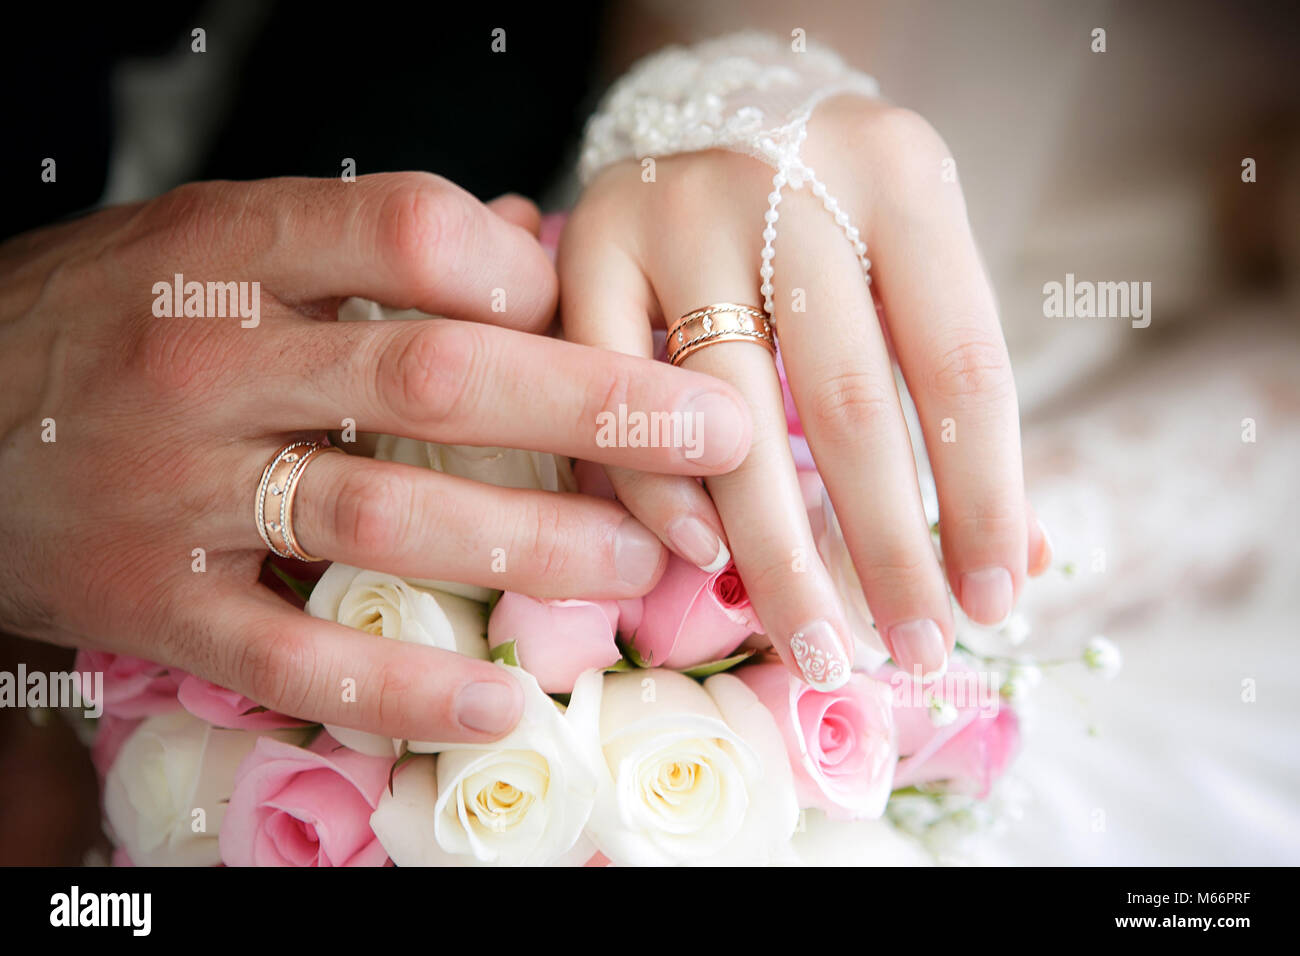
x,y
750,93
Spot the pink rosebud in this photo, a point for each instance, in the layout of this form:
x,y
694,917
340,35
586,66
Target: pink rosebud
x,y
296,807
556,641
693,617
228,708
968,746
133,687
841,743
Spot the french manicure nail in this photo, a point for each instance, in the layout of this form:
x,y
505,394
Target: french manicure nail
x,y
917,648
719,428
637,553
818,650
987,595
698,543
489,707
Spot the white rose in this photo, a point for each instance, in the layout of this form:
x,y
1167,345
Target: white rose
x,y
522,800
172,766
387,606
684,773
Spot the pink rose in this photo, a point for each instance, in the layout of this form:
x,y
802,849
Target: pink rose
x,y
841,744
133,687
693,617
296,807
555,641
228,708
968,752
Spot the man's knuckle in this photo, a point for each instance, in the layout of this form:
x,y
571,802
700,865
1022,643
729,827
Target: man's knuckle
x,y
423,223
174,359
427,373
396,686
610,389
370,510
547,537
198,218
271,666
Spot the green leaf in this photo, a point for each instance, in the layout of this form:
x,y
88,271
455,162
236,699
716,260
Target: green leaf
x,y
392,771
636,659
622,664
717,667
493,601
301,588
506,654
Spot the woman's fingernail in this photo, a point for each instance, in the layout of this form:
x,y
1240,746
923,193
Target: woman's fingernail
x,y
698,543
987,595
637,554
1045,554
917,648
718,426
488,707
818,650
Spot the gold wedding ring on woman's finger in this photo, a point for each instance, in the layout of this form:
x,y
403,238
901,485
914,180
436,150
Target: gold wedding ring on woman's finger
x,y
722,322
275,493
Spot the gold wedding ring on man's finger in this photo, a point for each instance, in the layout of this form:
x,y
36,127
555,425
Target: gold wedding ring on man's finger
x,y
275,493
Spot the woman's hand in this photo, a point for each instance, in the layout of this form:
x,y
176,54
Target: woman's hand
x,y
130,440
639,254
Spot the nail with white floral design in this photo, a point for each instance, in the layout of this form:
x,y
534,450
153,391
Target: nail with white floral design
x,y
818,650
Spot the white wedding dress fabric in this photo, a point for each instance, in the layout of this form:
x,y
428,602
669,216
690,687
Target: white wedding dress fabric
x,y
1179,521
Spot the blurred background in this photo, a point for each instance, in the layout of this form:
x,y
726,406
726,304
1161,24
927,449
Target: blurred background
x,y
1163,460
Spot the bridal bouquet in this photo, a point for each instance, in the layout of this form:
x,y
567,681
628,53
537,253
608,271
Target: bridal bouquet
x,y
659,730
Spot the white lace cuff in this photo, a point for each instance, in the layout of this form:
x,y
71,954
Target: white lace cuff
x,y
749,93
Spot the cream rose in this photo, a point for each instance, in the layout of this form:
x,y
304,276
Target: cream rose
x,y
387,606
685,773
165,795
522,800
